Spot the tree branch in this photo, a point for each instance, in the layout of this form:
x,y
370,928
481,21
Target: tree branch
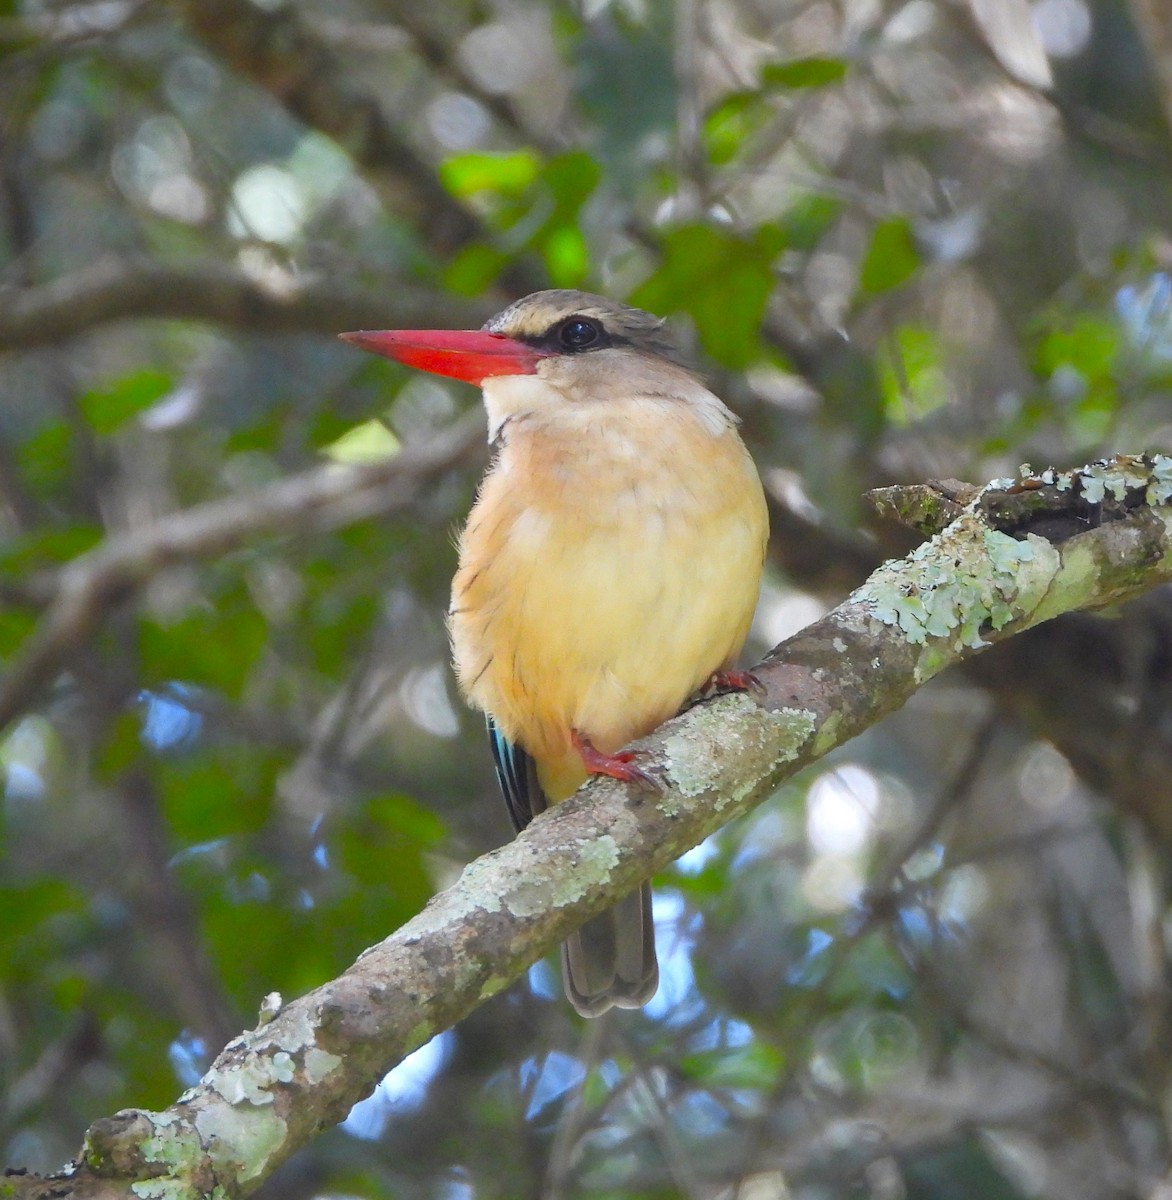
x,y
1154,24
327,497
984,578
281,52
116,289
277,50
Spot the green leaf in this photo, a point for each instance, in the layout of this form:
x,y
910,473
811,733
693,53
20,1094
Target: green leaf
x,y
570,178
739,114
46,459
225,791
47,548
756,1065
339,621
111,408
1087,343
723,280
370,876
804,73
567,258
27,909
256,943
474,269
122,747
808,219
891,258
260,436
875,973
912,374
1080,362
212,648
15,626
958,1170
401,814
728,125
369,441
512,174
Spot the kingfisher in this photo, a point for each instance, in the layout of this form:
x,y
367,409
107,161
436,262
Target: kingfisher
x,y
608,570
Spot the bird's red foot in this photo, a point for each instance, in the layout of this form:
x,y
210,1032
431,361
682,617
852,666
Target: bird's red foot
x,y
735,681
619,766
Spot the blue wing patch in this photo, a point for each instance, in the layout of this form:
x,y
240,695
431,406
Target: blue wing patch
x,y
516,772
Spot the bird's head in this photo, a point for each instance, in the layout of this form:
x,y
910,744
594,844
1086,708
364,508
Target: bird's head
x,y
562,335
556,356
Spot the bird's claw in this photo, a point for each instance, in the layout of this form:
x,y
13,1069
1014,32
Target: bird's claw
x,y
620,766
735,681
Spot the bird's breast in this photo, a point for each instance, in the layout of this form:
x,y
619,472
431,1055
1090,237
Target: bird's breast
x,y
610,565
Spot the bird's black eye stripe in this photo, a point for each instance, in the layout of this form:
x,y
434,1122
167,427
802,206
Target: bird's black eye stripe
x,y
574,335
580,333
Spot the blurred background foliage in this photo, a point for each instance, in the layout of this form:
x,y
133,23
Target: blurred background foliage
x,y
908,239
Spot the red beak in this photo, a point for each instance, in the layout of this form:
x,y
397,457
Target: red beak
x,y
465,354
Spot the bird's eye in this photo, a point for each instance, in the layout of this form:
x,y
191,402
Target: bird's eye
x,y
578,333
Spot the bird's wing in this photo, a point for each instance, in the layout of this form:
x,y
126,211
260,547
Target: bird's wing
x,y
516,772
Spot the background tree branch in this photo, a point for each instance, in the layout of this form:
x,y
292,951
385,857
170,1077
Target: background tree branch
x,y
113,290
90,588
279,51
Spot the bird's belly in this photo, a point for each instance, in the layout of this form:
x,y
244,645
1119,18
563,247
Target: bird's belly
x,y
604,626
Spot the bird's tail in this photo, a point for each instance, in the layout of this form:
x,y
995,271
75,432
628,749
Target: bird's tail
x,y
610,961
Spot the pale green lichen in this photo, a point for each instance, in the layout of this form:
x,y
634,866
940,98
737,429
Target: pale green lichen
x,y
1080,581
826,738
172,1189
169,1129
527,897
178,1146
967,579
952,590
1160,488
241,1144
799,724
270,1006
494,984
932,659
173,1143
1115,477
762,737
477,890
294,1032
1006,553
161,1189
251,1083
596,859
420,1035
319,1064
